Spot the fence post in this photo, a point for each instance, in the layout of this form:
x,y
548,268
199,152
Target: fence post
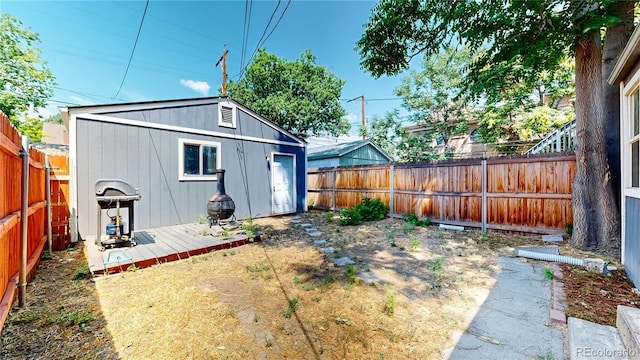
x,y
391,183
484,195
24,220
47,188
335,175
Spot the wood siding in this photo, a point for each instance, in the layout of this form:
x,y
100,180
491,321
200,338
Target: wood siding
x,y
528,193
147,158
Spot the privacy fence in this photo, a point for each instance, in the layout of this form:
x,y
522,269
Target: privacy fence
x,y
17,245
529,194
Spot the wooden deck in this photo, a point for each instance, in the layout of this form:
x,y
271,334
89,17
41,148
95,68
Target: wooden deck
x,y
159,245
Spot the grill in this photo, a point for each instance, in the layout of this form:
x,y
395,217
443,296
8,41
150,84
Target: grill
x,y
115,194
220,205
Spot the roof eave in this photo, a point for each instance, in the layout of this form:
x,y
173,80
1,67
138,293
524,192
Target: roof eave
x,y
627,58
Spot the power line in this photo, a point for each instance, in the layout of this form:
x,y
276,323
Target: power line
x,y
273,13
133,50
248,6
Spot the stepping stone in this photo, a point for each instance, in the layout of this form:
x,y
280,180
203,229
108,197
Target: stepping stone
x,y
310,229
296,221
343,261
315,234
370,278
306,225
296,218
328,250
551,249
552,238
319,242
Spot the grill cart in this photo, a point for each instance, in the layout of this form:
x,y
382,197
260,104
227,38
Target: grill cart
x,y
113,195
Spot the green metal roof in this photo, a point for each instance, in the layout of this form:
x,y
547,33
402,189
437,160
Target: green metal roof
x,y
337,150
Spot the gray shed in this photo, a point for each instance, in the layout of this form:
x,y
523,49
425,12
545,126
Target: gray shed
x,y
170,150
362,152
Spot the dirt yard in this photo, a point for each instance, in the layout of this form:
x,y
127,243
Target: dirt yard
x,y
410,294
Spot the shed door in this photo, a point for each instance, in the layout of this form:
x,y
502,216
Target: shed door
x,y
283,180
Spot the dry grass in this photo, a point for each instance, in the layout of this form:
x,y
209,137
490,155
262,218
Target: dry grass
x,y
281,298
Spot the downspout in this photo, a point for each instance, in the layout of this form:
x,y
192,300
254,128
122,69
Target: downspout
x,y
24,220
47,187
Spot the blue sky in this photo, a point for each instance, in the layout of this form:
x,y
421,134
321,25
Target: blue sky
x,y
88,44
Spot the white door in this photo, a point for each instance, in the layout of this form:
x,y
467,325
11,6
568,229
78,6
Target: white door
x,y
283,180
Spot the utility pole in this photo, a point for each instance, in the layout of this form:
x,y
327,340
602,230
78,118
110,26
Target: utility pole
x,y
223,58
364,120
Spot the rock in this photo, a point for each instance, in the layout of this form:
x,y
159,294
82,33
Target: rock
x,y
328,250
552,238
315,234
595,265
319,242
343,261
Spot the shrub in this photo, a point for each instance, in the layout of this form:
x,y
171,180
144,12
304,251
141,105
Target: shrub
x,y
413,219
367,210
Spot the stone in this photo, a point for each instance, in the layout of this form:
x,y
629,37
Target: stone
x,y
345,260
310,229
551,249
595,265
305,225
319,242
296,221
552,238
328,250
315,234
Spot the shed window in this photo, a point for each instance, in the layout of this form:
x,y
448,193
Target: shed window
x,y
198,160
227,114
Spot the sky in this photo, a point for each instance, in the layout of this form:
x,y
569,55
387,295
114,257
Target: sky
x,y
88,46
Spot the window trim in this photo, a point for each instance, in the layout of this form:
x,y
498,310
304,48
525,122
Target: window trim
x,y
184,177
234,114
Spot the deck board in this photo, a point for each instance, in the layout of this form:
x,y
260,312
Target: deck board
x,y
158,245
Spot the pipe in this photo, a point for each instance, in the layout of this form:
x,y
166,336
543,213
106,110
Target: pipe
x,y
47,187
550,257
24,214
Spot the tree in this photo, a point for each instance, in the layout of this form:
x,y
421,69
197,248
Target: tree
x,y
32,127
385,132
55,119
513,42
25,81
300,96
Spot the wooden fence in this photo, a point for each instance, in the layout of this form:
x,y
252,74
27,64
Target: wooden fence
x,y
10,211
61,235
529,194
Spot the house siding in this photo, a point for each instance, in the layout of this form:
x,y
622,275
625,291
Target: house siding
x,y
331,162
147,158
632,243
363,156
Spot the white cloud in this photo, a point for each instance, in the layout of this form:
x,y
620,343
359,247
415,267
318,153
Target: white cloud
x,y
198,86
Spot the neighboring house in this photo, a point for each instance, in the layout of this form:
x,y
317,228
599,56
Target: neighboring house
x,y
362,152
626,73
466,145
55,134
170,151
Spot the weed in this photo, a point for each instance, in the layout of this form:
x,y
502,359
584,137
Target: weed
x,y
408,227
256,318
260,269
268,342
225,233
201,219
390,302
328,217
46,255
367,210
308,286
74,317
291,308
393,243
413,219
414,244
132,268
25,318
351,271
548,273
296,279
437,270
390,235
250,229
82,272
568,228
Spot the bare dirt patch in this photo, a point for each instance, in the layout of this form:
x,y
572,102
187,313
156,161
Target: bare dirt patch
x,y
281,298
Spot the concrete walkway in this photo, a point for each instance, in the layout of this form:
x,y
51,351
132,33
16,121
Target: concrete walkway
x,y
512,322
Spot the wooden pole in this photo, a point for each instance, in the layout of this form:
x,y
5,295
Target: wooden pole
x,y
484,195
335,176
391,183
24,220
223,58
364,120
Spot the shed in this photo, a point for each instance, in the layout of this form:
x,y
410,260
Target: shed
x,y
626,73
170,150
362,152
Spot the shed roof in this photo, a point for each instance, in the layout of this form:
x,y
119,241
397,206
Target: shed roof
x,y
628,58
157,104
337,150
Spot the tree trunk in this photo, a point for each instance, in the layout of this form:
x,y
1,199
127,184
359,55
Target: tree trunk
x,y
614,41
595,216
